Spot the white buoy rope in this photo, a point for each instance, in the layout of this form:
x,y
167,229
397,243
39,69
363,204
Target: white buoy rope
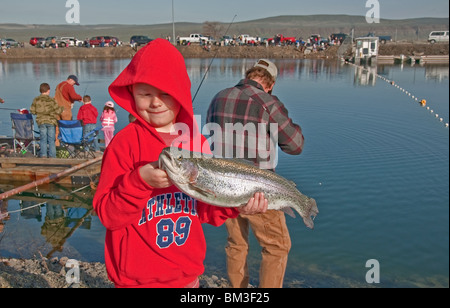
x,y
422,102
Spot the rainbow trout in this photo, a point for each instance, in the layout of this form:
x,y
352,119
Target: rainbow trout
x,y
232,182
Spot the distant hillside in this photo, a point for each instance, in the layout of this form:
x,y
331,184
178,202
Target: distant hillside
x,y
298,26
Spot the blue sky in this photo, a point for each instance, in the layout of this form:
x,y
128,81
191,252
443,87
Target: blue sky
x,y
160,11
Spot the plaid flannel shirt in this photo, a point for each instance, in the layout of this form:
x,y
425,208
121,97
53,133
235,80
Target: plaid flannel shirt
x,y
249,123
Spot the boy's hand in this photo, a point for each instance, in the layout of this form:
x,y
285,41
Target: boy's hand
x,y
155,177
256,205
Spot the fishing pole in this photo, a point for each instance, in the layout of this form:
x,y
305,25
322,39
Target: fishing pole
x,y
85,90
8,109
50,178
215,55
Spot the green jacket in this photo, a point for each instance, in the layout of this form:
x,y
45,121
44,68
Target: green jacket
x,y
46,110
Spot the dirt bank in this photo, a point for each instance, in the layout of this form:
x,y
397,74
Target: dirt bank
x,y
414,49
195,51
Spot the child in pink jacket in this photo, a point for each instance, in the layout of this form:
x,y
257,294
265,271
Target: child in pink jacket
x,y
108,119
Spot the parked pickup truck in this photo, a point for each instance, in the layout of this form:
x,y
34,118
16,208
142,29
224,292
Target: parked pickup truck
x,y
382,38
283,40
193,38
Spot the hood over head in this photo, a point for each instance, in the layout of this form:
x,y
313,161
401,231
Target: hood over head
x,y
161,65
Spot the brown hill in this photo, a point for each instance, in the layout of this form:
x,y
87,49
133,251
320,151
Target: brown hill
x,y
298,26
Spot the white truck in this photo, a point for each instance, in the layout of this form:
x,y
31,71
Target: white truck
x,y
193,38
247,39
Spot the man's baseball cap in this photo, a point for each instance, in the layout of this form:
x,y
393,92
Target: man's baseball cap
x,y
269,66
74,78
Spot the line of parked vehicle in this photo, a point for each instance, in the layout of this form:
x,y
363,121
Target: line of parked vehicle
x,y
61,42
279,39
243,39
246,39
58,42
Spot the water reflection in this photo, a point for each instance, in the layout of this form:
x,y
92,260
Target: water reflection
x,y
56,211
224,68
42,69
365,76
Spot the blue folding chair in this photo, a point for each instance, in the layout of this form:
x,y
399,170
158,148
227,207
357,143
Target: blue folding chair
x,y
23,133
72,139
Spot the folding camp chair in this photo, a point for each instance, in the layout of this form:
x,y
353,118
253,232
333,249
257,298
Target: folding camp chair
x,y
23,133
72,139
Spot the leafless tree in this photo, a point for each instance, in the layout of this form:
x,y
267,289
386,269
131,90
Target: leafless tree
x,y
212,28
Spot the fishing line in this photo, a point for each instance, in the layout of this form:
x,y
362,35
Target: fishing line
x,y
85,90
215,55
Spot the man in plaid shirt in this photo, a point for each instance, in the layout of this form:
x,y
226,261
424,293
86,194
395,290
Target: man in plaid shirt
x,y
253,123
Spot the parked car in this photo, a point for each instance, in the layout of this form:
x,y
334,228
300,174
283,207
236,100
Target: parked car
x,y
54,41
227,40
8,42
103,41
438,37
382,38
36,41
138,40
73,42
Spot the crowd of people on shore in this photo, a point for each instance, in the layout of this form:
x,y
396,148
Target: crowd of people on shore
x,y
314,43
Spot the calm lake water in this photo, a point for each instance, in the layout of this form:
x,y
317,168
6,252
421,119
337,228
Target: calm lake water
x,y
375,160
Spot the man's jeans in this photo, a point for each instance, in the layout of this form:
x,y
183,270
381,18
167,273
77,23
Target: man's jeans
x,y
86,130
47,132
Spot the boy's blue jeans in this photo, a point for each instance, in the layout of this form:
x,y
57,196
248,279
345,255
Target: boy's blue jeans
x,y
87,128
47,135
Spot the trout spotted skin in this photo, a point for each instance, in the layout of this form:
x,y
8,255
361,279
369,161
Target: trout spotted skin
x,y
232,182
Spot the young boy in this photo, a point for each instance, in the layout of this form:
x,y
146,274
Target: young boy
x,y
154,236
47,112
88,115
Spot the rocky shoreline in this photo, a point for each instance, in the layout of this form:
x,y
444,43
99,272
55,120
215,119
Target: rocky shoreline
x,y
196,51
52,273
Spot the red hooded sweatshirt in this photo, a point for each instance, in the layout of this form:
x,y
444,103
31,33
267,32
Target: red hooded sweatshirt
x,y
154,236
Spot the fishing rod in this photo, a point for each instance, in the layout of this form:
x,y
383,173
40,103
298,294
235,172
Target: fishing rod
x,y
8,109
49,178
85,90
215,55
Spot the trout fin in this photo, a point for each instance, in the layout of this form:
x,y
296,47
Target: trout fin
x,y
288,211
